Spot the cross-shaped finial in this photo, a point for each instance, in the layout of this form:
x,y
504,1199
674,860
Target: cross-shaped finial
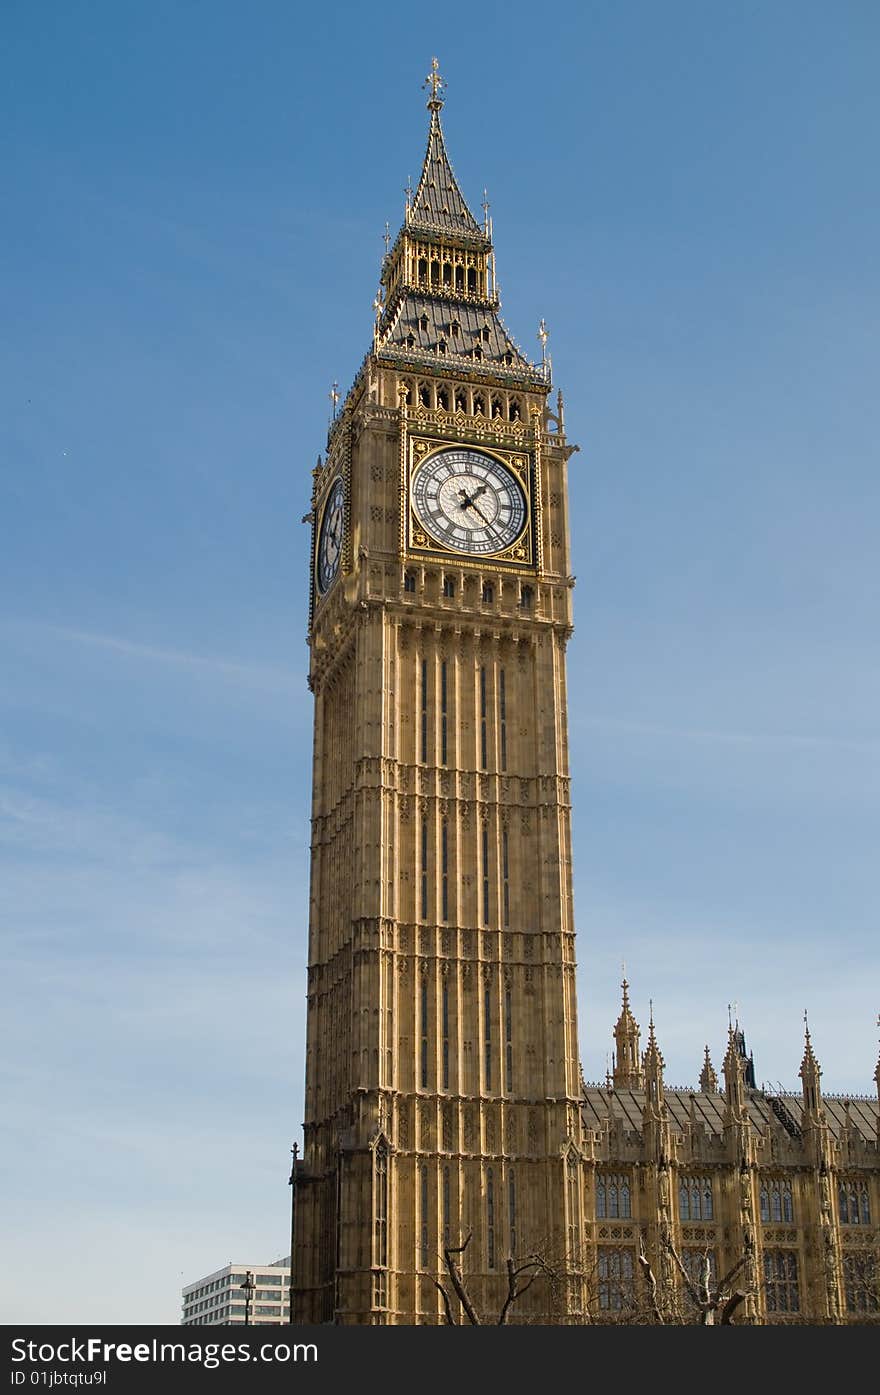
x,y
437,86
386,238
486,207
334,400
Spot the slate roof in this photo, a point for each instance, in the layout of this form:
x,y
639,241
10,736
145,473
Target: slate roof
x,y
438,204
627,1105
419,324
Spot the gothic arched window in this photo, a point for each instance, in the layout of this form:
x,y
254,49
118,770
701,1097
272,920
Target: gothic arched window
x,y
853,1202
613,1196
695,1201
775,1200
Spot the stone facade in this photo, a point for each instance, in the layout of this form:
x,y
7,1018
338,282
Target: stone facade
x,y
790,1183
443,1089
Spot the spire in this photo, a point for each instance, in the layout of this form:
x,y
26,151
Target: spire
x,y
653,1067
627,1065
655,1119
708,1078
734,1083
810,1074
438,204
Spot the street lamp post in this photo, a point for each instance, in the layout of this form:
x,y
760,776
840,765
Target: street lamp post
x,y
248,1287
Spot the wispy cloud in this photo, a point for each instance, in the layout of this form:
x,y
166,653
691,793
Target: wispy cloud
x,y
253,675
708,736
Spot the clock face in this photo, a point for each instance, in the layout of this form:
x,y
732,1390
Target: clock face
x,y
469,501
330,537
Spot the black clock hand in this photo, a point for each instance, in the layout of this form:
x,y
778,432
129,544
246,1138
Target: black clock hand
x,y
480,513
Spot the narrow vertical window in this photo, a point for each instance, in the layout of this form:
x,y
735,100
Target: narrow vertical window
x,y
484,761
424,710
505,873
490,1218
502,712
423,1256
445,871
485,875
508,1039
445,1037
487,1036
424,869
511,1211
443,713
424,1027
381,1206
446,1225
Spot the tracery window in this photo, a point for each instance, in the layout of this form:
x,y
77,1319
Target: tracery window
x,y
615,1272
423,1246
860,1282
781,1281
613,1196
409,581
490,1218
694,1264
381,1205
776,1200
854,1202
695,1199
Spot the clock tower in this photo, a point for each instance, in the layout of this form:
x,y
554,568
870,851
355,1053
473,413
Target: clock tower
x,y
442,1073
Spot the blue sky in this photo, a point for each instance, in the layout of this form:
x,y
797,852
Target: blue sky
x,y
194,201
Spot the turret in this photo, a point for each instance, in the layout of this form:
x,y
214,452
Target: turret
x,y
708,1078
627,1065
810,1074
655,1121
653,1064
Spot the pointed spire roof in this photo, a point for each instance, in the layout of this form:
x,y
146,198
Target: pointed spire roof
x,y
654,1062
438,204
708,1078
734,1074
627,1067
809,1065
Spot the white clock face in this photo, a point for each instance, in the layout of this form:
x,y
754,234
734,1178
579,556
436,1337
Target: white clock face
x,y
469,501
330,537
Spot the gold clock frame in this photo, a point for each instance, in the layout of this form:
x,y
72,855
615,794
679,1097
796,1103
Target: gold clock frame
x,y
522,552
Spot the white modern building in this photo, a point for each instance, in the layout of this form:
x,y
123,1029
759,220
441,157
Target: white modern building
x,y
222,1297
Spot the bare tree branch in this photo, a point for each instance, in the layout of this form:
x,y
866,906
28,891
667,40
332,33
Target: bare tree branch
x,y
445,1296
684,1273
455,1275
650,1282
731,1306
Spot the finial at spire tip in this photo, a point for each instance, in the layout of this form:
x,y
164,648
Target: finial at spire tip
x,y
437,86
